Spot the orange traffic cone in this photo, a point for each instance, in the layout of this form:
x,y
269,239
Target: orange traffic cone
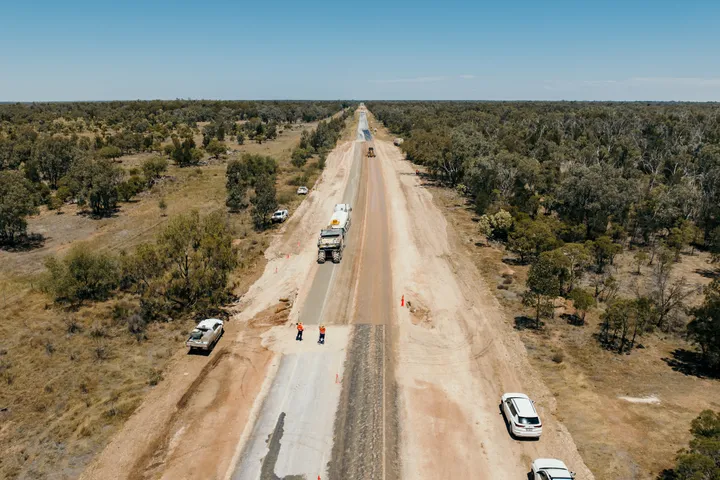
x,y
402,301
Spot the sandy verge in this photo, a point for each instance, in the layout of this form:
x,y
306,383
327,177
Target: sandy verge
x,y
456,354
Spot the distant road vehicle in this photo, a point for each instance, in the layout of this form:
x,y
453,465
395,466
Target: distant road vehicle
x,y
279,216
302,190
550,469
205,335
521,416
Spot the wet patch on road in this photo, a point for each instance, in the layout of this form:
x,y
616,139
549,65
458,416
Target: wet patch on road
x,y
267,472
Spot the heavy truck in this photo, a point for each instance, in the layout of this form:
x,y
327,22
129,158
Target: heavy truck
x,y
332,238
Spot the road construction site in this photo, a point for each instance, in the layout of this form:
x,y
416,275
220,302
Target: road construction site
x,y
407,384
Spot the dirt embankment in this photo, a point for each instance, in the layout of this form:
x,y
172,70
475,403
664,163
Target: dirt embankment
x,y
190,425
459,356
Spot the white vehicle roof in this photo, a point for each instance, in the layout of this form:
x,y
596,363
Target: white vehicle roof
x,y
523,404
555,468
338,219
205,324
279,212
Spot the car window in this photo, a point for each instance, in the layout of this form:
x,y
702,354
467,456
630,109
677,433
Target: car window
x,y
529,420
216,326
512,410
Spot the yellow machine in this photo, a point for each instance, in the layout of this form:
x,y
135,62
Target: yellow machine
x,y
371,152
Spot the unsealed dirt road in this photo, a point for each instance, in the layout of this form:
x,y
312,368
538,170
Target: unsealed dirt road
x,y
396,392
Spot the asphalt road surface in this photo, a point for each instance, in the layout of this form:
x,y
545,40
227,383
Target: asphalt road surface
x,y
331,410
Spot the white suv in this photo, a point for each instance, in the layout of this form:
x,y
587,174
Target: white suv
x,y
550,469
521,415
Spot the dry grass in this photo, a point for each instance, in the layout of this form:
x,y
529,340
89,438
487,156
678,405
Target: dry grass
x,y
69,379
618,439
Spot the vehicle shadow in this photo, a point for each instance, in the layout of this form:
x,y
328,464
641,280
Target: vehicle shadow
x,y
205,353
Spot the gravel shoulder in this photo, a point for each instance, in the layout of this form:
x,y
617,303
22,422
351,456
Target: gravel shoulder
x,y
456,355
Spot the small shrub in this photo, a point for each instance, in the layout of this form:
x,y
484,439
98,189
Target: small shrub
x,y
98,330
155,377
558,357
162,205
100,352
298,180
72,325
122,310
136,324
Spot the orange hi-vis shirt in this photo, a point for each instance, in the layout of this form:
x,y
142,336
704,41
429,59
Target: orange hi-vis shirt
x,y
322,329
300,327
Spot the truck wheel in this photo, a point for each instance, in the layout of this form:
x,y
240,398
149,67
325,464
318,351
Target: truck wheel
x,y
336,256
321,256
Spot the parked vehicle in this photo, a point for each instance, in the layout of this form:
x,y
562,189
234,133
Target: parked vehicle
x,y
205,335
550,469
279,216
521,416
332,239
302,190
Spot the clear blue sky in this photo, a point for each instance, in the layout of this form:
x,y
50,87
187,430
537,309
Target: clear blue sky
x,y
574,50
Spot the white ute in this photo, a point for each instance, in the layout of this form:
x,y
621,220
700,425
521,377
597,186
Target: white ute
x,y
521,416
550,469
205,335
279,216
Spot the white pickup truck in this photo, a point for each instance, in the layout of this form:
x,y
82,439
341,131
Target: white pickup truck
x,y
279,216
205,335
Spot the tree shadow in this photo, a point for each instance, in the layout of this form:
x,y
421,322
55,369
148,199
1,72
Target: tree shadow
x,y
99,216
708,273
523,322
25,243
690,363
667,474
572,319
514,261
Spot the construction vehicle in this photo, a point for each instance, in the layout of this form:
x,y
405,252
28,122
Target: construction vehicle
x,y
332,238
371,152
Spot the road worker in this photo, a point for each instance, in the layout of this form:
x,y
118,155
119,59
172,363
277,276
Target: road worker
x,y
321,340
300,329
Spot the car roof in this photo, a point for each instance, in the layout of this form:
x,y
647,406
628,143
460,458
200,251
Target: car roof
x,y
549,463
524,407
208,323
